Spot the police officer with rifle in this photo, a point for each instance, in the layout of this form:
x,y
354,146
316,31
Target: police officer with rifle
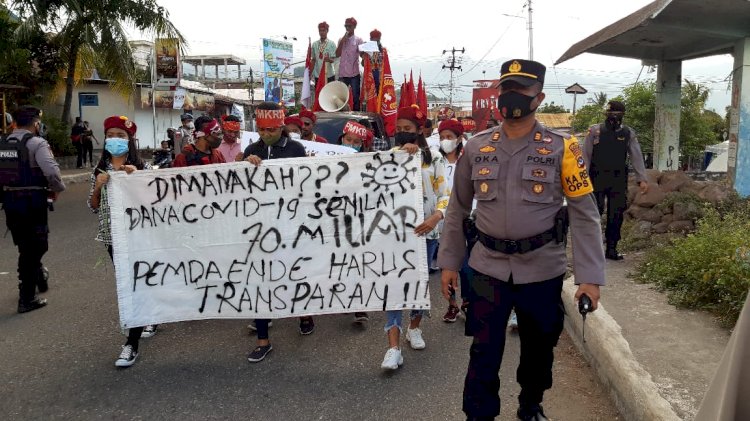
x,y
29,183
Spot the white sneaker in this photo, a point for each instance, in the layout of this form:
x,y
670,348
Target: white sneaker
x,y
414,337
148,331
127,357
393,359
513,321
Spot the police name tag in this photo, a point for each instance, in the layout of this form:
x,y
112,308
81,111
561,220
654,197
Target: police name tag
x,y
9,154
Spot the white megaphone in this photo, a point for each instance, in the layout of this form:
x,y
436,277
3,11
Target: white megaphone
x,y
334,97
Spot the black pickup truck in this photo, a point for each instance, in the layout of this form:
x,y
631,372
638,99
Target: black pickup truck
x,y
331,125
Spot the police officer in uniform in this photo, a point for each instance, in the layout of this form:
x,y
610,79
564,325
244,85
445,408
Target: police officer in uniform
x,y
519,173
24,200
605,149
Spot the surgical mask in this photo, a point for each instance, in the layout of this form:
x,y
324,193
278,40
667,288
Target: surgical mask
x,y
116,146
448,145
214,140
515,105
190,126
270,139
356,148
402,138
295,136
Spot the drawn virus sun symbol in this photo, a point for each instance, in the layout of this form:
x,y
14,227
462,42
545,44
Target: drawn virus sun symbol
x,y
388,173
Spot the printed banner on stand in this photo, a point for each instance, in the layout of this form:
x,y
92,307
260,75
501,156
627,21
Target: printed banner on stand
x,y
277,59
290,237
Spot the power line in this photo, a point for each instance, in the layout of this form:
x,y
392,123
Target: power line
x,y
452,67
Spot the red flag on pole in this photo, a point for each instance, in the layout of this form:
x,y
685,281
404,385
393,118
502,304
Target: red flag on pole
x,y
421,95
387,97
369,96
305,97
404,98
351,99
412,98
318,86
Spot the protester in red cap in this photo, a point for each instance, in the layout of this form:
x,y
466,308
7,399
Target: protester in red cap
x,y
470,126
293,125
308,124
348,51
377,58
451,146
208,137
119,154
409,137
323,52
356,136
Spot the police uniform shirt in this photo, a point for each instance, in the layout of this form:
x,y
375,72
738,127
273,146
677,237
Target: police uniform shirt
x,y
40,156
519,186
593,138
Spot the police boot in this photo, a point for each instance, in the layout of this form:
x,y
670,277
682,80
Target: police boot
x,y
531,413
611,252
24,306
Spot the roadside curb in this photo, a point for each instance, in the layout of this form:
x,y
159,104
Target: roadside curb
x,y
630,385
76,178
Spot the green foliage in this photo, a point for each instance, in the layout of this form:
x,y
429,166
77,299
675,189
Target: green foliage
x,y
640,114
58,136
709,269
680,197
587,116
600,99
698,127
552,108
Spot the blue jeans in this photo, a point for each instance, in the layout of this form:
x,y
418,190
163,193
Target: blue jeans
x,y
354,82
432,246
396,317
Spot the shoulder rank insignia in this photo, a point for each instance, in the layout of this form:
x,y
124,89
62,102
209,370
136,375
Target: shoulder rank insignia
x,y
543,151
487,149
495,137
538,137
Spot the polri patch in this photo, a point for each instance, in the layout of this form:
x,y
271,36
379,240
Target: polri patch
x,y
487,149
543,151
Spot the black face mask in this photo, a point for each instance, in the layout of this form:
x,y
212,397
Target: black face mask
x,y
402,138
614,122
514,105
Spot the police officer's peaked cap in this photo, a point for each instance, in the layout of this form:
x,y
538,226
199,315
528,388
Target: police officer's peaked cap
x,y
525,72
615,106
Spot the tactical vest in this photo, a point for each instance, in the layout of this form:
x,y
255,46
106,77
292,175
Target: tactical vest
x,y
15,168
611,150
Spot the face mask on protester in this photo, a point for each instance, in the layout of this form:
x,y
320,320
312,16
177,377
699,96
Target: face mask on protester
x,y
448,145
515,105
355,147
214,140
270,139
402,138
116,146
295,136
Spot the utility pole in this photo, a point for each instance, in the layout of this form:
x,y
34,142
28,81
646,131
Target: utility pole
x,y
452,67
531,32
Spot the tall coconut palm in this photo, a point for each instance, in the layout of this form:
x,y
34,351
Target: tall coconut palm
x,y
92,36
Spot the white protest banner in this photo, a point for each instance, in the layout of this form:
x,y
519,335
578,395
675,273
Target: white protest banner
x,y
325,149
290,237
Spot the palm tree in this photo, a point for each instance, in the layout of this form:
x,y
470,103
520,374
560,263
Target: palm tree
x,y
92,36
600,99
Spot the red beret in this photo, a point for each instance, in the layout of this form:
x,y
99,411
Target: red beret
x,y
293,120
351,21
453,125
120,122
375,34
323,25
305,113
412,113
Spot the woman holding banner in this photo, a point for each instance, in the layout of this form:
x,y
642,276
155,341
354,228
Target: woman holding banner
x,y
120,154
409,137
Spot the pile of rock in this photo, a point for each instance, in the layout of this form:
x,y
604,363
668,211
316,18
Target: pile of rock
x,y
655,214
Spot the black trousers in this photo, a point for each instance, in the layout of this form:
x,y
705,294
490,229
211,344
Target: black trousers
x,y
79,153
540,315
134,333
88,149
611,192
26,218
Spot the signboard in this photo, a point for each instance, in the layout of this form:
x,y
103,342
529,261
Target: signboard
x,y
291,237
167,52
484,102
166,99
277,57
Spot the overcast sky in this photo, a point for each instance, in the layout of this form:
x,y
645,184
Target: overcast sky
x,y
416,33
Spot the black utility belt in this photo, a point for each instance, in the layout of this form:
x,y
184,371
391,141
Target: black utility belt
x,y
521,246
29,188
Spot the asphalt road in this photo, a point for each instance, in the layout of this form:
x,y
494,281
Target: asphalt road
x,y
58,362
